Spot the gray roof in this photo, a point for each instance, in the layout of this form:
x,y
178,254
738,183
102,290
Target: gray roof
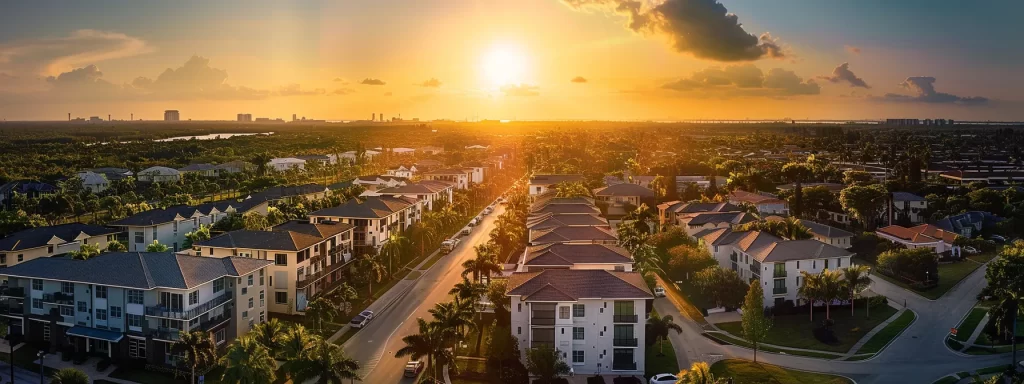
x,y
575,284
40,236
906,196
705,207
721,217
137,270
765,247
198,167
270,240
625,189
572,234
373,207
157,216
570,254
568,209
825,230
550,220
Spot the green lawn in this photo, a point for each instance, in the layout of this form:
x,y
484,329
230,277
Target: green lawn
x,y
860,357
891,331
661,358
744,371
970,323
949,275
796,331
726,338
984,257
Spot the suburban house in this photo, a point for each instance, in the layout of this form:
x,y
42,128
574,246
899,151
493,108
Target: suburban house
x,y
170,225
236,166
643,181
426,191
968,224
705,221
594,317
285,163
460,177
205,170
94,182
921,236
829,235
774,261
476,169
306,258
541,183
671,212
159,175
322,159
430,150
33,243
575,256
702,182
625,194
131,305
29,189
765,204
906,205
402,170
298,193
373,219
111,173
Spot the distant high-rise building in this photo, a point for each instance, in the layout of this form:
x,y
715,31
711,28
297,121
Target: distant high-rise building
x,y
903,122
95,119
374,118
171,115
382,117
294,117
245,117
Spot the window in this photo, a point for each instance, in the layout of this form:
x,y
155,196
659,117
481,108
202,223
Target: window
x,y
135,296
281,297
211,251
814,264
579,310
193,298
37,285
839,263
115,312
280,259
519,307
37,304
251,303
21,258
218,285
140,238
245,314
263,316
46,332
67,311
137,348
826,263
250,280
134,320
82,307
577,357
577,333
263,299
219,336
101,292
101,314
154,233
49,249
563,312
519,330
192,323
798,264
66,287
780,285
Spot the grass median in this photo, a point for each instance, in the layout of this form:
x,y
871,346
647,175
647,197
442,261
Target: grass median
x,y
728,339
970,323
887,334
797,330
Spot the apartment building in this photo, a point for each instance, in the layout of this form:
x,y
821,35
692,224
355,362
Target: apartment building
x,y
170,225
132,305
427,191
594,317
461,177
307,258
33,243
476,171
765,204
575,256
373,219
539,184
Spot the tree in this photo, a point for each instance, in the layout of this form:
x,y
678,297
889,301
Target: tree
x,y
430,342
791,228
455,317
156,247
658,327
85,252
831,287
322,310
572,189
810,290
546,363
372,268
852,177
483,265
116,246
856,280
699,373
296,340
468,290
254,221
392,248
916,265
796,173
323,363
69,376
197,350
755,324
247,361
1006,284
270,334
864,202
198,235
725,287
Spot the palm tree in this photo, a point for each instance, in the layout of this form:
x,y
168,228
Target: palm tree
x,y
832,288
393,248
296,340
320,310
856,280
374,270
455,317
699,373
483,264
69,376
810,290
247,361
197,349
658,326
468,289
323,363
429,342
270,335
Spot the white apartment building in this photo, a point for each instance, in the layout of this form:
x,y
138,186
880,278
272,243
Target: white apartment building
x,y
169,226
282,164
460,177
34,243
426,191
539,184
476,170
373,219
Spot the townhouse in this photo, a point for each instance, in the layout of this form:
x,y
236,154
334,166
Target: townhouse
x,y
541,183
426,191
374,182
132,305
33,243
575,256
169,225
307,258
578,235
921,236
766,204
829,235
373,219
459,176
670,213
403,170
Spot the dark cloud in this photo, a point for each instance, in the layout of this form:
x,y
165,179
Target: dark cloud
x,y
369,81
46,56
843,74
296,90
432,83
579,79
852,49
520,90
923,89
744,80
703,28
343,91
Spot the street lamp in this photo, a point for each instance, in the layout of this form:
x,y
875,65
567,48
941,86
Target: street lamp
x,y
40,354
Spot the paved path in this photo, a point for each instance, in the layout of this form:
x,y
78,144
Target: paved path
x,y
21,375
918,356
864,340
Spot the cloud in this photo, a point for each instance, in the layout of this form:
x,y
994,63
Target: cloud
x,y
579,79
923,89
520,90
843,74
852,49
369,81
296,90
52,56
195,79
344,91
703,28
87,80
744,80
343,81
432,83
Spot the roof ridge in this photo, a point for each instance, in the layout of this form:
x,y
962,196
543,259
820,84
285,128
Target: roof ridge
x,y
145,269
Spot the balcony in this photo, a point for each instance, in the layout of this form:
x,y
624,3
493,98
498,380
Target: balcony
x,y
213,322
59,298
756,268
779,290
13,309
542,344
165,334
12,292
309,278
623,366
632,319
181,314
780,274
543,317
624,342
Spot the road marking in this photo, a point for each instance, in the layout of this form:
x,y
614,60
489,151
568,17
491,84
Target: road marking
x,y
369,367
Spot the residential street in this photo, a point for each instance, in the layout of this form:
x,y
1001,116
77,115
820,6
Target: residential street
x,y
919,355
374,346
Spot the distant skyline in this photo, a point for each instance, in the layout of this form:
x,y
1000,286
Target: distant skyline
x,y
527,59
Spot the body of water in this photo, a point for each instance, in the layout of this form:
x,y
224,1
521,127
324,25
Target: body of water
x,y
213,136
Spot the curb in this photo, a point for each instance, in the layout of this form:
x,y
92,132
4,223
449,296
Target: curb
x,y
783,353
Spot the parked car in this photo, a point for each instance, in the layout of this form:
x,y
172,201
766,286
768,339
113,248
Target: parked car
x,y
664,378
413,368
971,250
361,319
659,291
997,238
448,245
488,210
466,231
473,223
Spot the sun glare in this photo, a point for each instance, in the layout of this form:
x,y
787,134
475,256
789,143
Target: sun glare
x,y
504,64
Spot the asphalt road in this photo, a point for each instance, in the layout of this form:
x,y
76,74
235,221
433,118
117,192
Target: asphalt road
x,y
375,344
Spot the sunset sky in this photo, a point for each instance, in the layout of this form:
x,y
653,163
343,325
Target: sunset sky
x,y
522,59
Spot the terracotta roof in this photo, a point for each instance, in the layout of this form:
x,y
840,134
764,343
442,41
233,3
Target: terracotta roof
x,y
753,198
576,284
924,233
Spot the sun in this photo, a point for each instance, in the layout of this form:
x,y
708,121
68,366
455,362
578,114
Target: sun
x,y
504,64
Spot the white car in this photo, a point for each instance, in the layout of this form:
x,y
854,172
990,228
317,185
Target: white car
x,y
659,291
664,378
361,319
971,250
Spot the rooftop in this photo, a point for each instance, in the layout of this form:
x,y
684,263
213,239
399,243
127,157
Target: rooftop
x,y
42,236
570,254
625,189
576,284
373,207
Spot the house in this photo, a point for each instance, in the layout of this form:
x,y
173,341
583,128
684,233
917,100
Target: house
x,y
671,212
353,156
478,147
430,150
306,258
29,189
906,206
94,182
593,317
159,175
777,263
766,204
112,173
968,224
33,243
322,159
168,226
552,220
921,236
643,181
374,182
426,191
132,305
236,166
576,235
205,170
476,170
625,194
539,184
704,221
702,182
829,235
428,164
575,256
402,170
459,176
373,219
282,164
299,193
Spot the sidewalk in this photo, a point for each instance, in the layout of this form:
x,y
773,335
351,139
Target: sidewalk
x,y
864,340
